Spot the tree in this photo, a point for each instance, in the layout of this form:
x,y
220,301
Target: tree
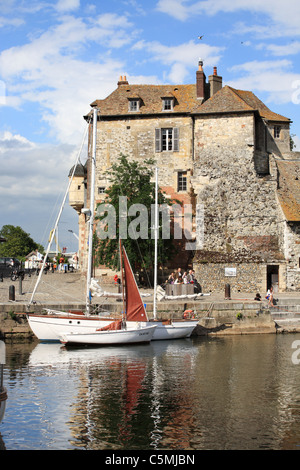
x,y
130,184
18,243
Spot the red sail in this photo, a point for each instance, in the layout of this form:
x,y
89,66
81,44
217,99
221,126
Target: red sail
x,y
135,310
115,325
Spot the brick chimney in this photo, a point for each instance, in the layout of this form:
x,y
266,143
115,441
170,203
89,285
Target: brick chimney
x,y
200,81
215,82
122,80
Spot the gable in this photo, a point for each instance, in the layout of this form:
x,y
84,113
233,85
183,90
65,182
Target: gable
x,y
289,189
230,100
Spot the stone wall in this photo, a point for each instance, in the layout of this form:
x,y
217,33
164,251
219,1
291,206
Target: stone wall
x,y
292,247
240,207
247,277
135,138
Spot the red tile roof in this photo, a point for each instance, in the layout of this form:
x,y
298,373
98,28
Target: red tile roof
x,y
289,189
226,100
229,100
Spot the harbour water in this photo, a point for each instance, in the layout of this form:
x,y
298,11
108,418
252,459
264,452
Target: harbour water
x,y
218,393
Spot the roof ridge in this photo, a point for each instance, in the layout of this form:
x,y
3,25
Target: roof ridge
x,y
235,91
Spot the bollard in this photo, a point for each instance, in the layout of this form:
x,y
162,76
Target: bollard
x,y
11,293
20,285
227,292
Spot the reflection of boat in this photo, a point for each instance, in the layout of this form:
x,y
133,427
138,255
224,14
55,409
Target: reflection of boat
x,y
3,392
55,355
119,331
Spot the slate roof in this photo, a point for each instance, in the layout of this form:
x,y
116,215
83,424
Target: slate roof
x,y
79,171
289,189
226,100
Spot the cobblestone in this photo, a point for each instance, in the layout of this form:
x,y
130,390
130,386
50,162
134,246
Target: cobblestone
x,y
71,288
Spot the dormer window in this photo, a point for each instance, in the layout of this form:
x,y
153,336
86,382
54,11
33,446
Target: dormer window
x,y
167,104
134,105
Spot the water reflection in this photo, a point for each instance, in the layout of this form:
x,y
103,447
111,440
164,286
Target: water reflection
x,y
199,393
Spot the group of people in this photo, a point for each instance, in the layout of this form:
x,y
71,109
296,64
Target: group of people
x,y
186,277
269,296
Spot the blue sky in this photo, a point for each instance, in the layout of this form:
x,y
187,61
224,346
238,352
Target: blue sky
x,y
57,57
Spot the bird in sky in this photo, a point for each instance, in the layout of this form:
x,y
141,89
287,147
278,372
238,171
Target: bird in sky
x,y
200,37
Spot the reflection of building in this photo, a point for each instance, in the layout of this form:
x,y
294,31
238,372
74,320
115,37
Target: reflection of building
x,y
219,148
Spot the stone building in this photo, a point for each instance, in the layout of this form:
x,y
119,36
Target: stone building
x,y
228,155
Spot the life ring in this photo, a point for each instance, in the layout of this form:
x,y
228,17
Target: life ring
x,y
188,314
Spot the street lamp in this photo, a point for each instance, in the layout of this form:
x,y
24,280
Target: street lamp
x,y
76,236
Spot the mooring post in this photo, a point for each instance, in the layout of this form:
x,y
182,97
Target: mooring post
x,y
11,293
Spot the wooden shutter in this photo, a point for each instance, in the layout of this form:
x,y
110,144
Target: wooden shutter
x,y
176,139
157,140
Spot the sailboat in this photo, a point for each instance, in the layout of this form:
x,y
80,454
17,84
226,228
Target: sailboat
x,y
119,332
49,327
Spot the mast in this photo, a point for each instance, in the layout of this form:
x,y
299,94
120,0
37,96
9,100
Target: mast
x,y
155,242
92,211
122,280
58,219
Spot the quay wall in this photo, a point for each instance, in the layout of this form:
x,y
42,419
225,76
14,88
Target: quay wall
x,y
215,318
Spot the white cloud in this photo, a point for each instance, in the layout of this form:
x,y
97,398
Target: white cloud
x,y
275,78
175,8
286,14
67,5
181,58
49,70
33,182
291,48
10,22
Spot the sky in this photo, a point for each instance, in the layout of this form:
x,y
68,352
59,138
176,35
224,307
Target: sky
x,y
58,57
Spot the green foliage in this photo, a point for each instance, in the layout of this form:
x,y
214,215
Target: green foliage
x,y
133,180
292,143
18,243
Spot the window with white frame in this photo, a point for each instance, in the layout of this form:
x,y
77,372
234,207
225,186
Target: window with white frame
x,y
167,104
181,181
134,105
167,139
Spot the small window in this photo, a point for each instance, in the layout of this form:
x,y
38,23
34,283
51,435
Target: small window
x,y
277,130
134,105
101,190
78,187
182,181
167,140
167,104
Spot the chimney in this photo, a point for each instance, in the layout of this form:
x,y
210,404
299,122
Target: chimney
x,y
200,82
215,82
122,80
